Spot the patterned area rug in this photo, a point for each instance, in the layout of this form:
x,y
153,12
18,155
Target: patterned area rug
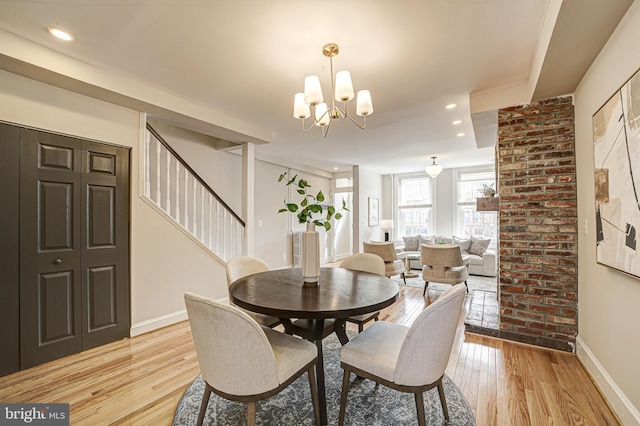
x,y
366,405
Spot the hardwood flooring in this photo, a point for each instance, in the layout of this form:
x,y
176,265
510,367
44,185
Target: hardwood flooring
x,y
139,381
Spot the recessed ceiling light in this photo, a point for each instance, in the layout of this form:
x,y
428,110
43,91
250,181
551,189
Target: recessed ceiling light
x,y
451,106
460,134
58,33
336,168
457,122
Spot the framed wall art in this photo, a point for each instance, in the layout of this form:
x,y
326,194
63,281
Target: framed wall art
x,y
616,145
373,212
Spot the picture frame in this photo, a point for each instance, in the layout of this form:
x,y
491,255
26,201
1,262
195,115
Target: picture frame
x,y
374,209
616,142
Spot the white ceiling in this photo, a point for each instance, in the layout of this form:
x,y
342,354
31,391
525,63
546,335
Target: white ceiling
x,y
244,60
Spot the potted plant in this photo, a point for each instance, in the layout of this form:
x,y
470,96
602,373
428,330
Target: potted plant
x,y
488,190
312,212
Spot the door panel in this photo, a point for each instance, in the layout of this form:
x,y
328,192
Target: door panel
x,y
56,307
50,249
106,244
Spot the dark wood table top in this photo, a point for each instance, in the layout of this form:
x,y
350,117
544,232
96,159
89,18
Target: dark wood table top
x,y
340,293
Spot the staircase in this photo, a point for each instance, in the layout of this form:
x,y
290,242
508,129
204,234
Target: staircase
x,y
178,192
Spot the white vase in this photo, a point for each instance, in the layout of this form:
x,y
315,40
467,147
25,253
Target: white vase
x,y
310,254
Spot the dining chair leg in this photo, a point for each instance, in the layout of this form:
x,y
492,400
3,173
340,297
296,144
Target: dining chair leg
x,y
251,413
426,284
466,285
343,396
404,278
203,405
443,402
360,328
422,421
314,394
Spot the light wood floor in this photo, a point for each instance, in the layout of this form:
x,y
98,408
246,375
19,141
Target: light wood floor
x,y
140,380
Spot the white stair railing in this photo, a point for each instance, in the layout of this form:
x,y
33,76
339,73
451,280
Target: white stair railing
x,y
176,189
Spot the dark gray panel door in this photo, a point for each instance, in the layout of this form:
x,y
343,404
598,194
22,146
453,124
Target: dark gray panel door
x,y
105,239
9,253
50,249
74,233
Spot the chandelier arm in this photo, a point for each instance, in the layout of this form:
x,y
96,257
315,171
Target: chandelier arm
x,y
325,129
306,130
364,117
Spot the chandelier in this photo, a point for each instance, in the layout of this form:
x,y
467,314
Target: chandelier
x,y
312,101
433,169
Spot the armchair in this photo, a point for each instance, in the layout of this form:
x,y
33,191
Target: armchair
x,y
442,263
393,265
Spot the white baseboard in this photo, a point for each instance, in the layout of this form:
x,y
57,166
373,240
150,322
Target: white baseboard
x,y
159,322
617,399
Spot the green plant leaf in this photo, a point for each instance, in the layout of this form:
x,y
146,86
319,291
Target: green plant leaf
x,y
304,203
327,226
282,210
338,216
315,208
281,177
301,191
331,210
292,207
320,196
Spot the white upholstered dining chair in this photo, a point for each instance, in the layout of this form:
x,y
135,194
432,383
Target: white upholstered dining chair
x,y
365,262
408,359
242,361
242,266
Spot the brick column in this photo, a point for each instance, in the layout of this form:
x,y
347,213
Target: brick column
x,y
538,274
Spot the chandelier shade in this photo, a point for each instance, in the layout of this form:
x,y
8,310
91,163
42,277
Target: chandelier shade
x,y
310,103
433,169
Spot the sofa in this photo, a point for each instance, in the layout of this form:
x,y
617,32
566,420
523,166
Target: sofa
x,y
482,260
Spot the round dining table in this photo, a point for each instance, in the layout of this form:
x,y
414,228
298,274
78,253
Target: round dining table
x,y
339,294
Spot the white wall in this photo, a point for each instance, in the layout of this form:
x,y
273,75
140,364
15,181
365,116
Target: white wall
x,y
163,266
444,203
366,183
609,336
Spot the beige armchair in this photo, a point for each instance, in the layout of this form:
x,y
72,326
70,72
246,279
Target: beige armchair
x,y
407,359
366,262
242,266
241,361
442,263
387,251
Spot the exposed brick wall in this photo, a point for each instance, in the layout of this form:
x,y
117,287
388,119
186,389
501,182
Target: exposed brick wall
x,y
538,274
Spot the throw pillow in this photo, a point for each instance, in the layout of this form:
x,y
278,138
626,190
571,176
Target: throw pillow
x,y
464,244
478,246
426,239
411,243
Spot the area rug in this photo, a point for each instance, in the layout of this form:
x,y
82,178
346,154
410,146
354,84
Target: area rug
x,y
475,282
367,404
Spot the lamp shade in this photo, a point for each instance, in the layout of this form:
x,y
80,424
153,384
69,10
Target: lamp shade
x,y
365,106
322,116
344,88
312,90
300,108
433,170
386,224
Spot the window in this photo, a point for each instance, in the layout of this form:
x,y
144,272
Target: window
x,y
415,210
470,221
